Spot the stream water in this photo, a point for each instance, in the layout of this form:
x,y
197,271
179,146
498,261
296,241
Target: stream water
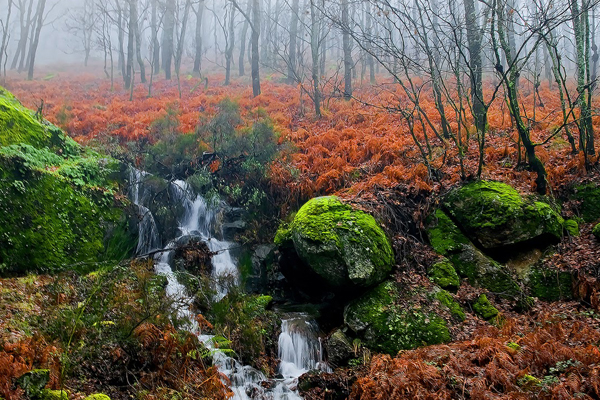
x,y
299,346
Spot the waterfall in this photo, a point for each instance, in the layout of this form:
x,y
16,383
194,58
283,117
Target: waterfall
x,y
148,238
299,346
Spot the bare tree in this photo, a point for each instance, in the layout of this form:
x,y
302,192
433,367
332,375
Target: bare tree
x,y
5,37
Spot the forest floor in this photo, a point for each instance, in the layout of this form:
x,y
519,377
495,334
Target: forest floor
x,y
364,154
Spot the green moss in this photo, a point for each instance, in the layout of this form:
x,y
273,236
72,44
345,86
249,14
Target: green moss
x,y
572,227
596,231
444,275
20,125
484,308
46,223
550,285
283,236
447,300
589,196
484,272
48,394
97,396
388,326
444,235
513,346
56,201
529,383
494,214
341,244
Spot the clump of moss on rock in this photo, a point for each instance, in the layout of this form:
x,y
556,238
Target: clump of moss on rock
x,y
484,308
494,214
448,301
443,274
387,326
342,245
596,231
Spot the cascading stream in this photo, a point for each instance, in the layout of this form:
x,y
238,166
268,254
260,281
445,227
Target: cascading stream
x,y
299,346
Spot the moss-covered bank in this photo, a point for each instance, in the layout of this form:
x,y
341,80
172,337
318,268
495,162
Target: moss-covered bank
x,y
57,200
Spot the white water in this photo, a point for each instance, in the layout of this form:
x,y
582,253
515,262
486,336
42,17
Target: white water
x,y
299,347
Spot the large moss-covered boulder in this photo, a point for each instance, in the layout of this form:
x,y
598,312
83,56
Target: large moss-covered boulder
x,y
57,200
493,214
343,246
388,319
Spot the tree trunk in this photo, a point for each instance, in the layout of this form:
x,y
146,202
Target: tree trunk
x,y
36,38
198,56
291,67
130,46
138,41
25,23
582,44
241,61
121,37
255,50
168,33
347,51
5,35
314,49
230,46
155,43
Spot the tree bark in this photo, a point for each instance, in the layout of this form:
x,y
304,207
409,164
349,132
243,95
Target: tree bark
x,y
346,44
291,67
36,38
198,56
168,33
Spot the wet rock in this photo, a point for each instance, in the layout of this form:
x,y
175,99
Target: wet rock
x,y
339,349
342,246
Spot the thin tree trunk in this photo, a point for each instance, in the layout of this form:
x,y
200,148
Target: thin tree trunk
x,y
314,47
5,34
155,42
198,56
291,67
36,38
255,50
347,51
168,32
241,61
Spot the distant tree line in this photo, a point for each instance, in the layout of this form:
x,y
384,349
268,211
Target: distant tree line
x,y
445,49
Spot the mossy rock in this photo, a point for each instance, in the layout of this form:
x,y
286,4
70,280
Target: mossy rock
x,y
589,197
448,301
493,214
572,227
34,381
344,246
97,396
484,308
482,271
48,394
387,325
445,237
443,274
596,231
550,285
339,348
